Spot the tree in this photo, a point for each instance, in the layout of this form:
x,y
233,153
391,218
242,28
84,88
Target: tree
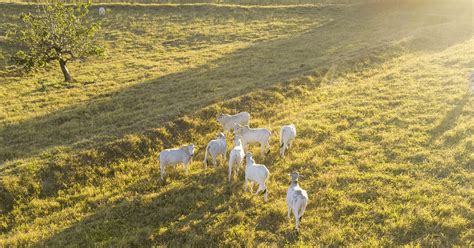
x,y
57,32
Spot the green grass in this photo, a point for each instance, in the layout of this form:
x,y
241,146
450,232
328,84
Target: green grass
x,y
158,48
378,94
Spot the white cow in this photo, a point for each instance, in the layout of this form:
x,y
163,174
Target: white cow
x,y
216,148
229,121
287,136
256,173
176,156
296,199
253,136
101,11
471,82
236,156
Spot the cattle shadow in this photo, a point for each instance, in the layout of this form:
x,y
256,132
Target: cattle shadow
x,y
176,95
450,119
190,214
167,207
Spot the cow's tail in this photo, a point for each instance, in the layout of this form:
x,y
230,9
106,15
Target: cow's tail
x,y
281,138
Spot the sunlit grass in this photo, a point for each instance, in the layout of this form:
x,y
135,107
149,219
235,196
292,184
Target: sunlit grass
x,y
145,43
385,139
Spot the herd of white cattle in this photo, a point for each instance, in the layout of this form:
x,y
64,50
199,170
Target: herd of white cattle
x,y
296,197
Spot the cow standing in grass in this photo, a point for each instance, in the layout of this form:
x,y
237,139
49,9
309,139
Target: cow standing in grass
x,y
183,155
216,147
257,173
230,121
236,156
254,136
287,136
296,199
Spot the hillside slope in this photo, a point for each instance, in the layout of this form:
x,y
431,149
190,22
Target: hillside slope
x,y
385,139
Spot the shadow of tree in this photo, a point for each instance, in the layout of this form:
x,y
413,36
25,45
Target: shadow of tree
x,y
151,104
154,102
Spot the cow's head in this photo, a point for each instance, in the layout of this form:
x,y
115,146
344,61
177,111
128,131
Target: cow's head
x,y
237,140
220,118
238,129
249,158
294,176
221,135
190,150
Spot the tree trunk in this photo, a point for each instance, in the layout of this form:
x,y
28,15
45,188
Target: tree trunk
x,y
67,76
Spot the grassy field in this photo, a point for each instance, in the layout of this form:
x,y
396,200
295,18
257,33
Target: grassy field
x,y
378,93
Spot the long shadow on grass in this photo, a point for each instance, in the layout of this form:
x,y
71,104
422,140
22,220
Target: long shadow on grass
x,y
450,119
190,213
197,203
152,103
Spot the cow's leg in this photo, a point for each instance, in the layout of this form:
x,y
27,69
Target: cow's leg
x,y
267,146
258,190
162,171
295,213
214,162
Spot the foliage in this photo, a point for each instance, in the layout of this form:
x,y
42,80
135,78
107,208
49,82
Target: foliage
x,y
58,32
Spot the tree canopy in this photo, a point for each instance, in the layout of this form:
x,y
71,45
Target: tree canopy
x,y
57,32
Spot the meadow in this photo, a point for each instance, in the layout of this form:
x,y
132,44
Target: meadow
x,y
377,91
